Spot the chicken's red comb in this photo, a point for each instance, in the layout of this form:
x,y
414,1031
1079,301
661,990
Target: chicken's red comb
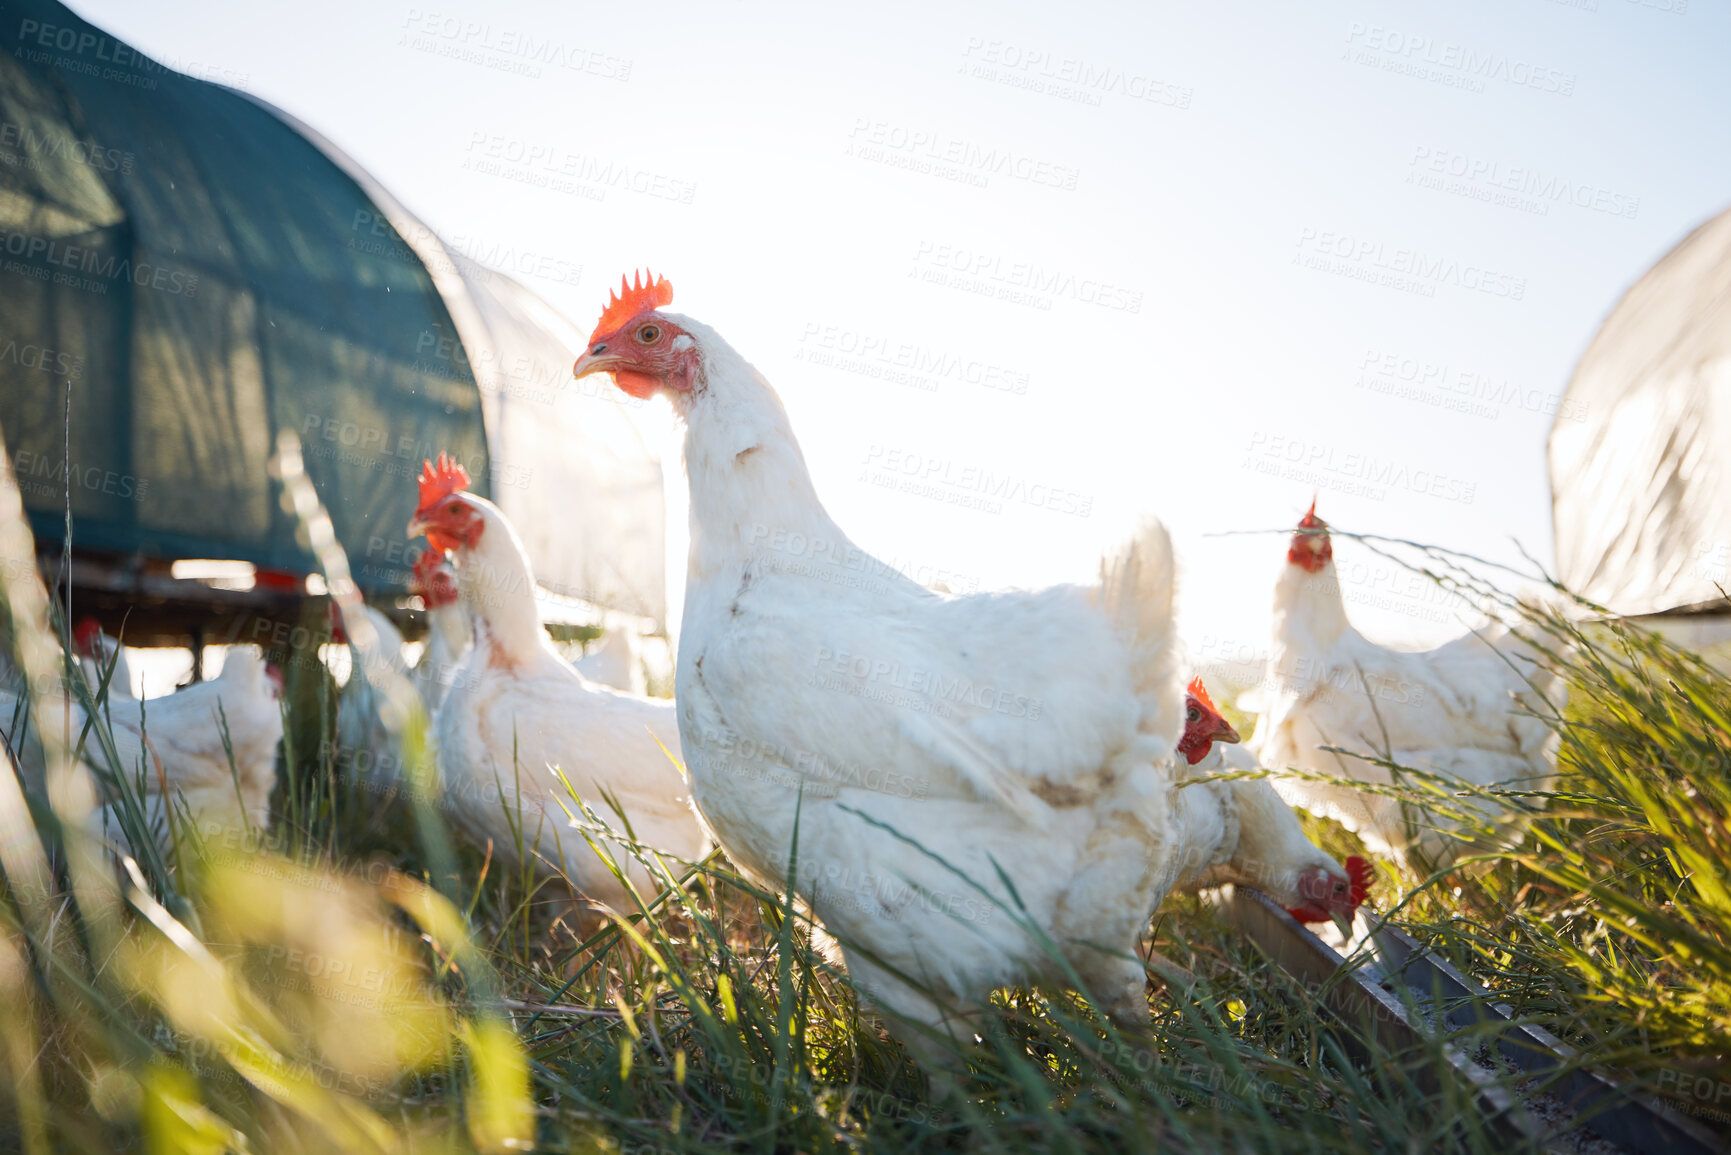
x,y
441,480
1359,871
86,634
1310,520
1200,693
644,291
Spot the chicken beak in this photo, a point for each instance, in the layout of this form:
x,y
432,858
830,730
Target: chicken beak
x,y
593,363
1225,734
417,526
1343,923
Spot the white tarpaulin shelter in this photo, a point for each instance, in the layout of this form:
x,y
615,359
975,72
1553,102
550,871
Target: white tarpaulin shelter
x,y
570,468
592,507
1640,452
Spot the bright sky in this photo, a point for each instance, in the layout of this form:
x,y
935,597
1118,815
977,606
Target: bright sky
x,y
1246,251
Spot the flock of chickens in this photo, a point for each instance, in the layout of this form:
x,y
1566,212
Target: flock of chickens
x,y
967,792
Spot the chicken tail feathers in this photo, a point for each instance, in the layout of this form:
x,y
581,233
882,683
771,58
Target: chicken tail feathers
x,y
1138,584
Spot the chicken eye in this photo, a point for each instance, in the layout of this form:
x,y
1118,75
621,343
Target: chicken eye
x,y
454,507
1193,715
648,334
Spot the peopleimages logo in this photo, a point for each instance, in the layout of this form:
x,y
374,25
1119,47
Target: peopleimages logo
x,y
969,485
1515,186
40,475
87,53
46,146
517,50
57,258
1368,259
42,359
1471,391
1363,474
929,151
904,362
1427,58
546,164
1066,77
1022,282
928,690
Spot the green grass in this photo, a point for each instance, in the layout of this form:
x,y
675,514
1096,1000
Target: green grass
x,y
1613,917
350,980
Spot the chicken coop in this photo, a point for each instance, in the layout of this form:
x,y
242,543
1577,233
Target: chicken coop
x,y
186,272
1640,450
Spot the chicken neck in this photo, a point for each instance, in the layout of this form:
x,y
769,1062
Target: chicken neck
x,y
498,588
750,489
1309,613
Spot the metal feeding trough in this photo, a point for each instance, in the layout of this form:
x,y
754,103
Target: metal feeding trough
x,y
1385,985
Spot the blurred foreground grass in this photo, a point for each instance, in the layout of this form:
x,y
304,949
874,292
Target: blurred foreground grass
x,y
348,981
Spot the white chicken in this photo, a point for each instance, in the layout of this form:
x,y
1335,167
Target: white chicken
x,y
366,748
448,632
96,651
616,662
1462,711
1240,831
171,749
516,711
975,782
